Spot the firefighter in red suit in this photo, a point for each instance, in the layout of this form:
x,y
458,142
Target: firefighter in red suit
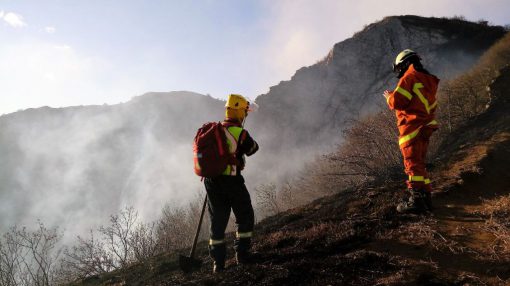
x,y
414,101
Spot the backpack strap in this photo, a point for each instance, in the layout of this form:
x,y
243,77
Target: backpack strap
x,y
233,158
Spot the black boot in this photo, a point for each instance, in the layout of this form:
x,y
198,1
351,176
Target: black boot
x,y
218,253
243,257
414,204
428,201
218,266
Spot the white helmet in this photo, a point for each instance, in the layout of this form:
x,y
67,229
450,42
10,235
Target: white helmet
x,y
403,58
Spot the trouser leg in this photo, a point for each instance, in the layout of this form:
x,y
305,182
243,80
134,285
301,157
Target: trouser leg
x,y
427,186
414,163
219,213
243,211
418,182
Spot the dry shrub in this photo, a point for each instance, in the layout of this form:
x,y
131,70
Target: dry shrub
x,y
370,152
177,226
498,224
271,200
126,241
117,245
29,257
268,202
467,95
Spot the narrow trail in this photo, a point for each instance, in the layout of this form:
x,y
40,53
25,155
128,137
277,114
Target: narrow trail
x,y
456,238
468,234
462,214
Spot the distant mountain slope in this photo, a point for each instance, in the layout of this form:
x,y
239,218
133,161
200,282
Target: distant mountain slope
x,y
299,117
75,166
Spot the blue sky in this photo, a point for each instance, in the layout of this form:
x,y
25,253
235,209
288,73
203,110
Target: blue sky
x,y
80,52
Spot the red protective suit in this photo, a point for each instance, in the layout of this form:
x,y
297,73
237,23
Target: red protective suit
x,y
414,101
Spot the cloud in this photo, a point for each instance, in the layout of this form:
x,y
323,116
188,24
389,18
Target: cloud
x,y
300,33
12,19
39,73
62,47
50,30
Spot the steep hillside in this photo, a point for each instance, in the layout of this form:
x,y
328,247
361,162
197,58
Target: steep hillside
x,y
310,111
356,238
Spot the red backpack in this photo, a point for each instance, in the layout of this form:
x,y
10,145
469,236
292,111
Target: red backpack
x,y
211,155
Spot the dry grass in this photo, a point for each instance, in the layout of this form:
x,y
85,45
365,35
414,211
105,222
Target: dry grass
x,y
323,233
425,232
498,223
467,95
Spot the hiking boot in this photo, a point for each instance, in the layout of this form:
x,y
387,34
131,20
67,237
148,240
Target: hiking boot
x,y
428,201
415,204
244,258
218,267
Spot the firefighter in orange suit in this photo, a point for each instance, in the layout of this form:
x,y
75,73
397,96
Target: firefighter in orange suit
x,y
414,101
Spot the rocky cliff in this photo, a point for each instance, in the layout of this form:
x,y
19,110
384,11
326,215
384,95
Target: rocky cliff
x,y
307,114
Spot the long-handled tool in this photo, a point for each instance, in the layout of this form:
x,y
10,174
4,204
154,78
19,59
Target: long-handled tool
x,y
186,263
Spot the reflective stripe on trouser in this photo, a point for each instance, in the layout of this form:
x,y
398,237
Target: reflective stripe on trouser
x,y
217,250
244,234
406,138
242,242
414,153
227,193
216,241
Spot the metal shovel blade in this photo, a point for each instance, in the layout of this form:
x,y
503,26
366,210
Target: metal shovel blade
x,y
188,264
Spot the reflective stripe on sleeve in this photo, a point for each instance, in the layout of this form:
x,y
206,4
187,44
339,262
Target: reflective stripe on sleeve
x,y
416,179
216,241
427,181
404,92
408,137
416,89
244,234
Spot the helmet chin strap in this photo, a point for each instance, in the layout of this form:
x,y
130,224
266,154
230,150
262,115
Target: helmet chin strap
x,y
403,69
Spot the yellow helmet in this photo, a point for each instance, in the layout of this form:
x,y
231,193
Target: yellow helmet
x,y
237,107
237,101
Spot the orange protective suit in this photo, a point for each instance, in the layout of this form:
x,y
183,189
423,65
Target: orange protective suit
x,y
414,101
